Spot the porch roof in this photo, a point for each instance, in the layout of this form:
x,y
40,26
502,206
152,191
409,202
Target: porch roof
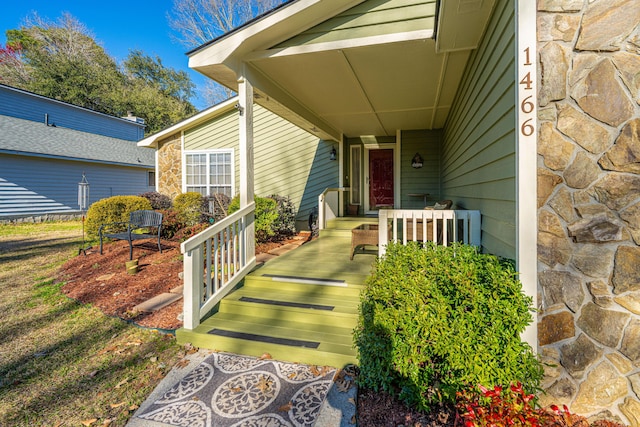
x,y
352,67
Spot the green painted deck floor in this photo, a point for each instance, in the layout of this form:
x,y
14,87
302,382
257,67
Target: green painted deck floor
x,y
299,307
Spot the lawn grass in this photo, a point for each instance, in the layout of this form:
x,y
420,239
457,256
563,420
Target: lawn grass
x,y
62,363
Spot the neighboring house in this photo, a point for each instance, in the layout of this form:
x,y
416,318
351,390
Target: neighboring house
x,y
47,145
201,154
526,111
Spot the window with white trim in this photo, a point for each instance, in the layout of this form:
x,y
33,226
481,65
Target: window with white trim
x,y
209,172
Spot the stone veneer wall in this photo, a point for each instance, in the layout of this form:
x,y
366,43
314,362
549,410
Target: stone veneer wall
x,y
589,205
170,166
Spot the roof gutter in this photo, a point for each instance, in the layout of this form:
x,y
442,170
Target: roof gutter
x,y
204,115
75,159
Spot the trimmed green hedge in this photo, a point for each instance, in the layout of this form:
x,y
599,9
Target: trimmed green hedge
x,y
113,209
435,320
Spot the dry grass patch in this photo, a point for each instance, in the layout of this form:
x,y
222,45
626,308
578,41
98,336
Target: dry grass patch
x,y
62,363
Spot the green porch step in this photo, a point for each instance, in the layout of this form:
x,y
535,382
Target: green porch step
x,y
301,307
341,227
312,299
324,355
338,317
288,283
277,333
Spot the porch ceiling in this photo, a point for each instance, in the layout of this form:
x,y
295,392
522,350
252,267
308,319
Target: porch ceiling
x,y
363,86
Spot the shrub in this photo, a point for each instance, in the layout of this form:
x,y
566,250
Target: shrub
x,y
285,225
188,207
512,406
497,407
113,209
266,216
171,225
158,201
435,319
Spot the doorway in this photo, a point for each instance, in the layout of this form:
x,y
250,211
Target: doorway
x,y
380,179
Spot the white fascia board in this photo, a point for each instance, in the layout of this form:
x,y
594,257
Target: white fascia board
x,y
204,115
340,45
270,30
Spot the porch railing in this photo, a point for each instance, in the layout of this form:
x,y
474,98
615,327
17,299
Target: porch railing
x,y
214,262
441,226
329,205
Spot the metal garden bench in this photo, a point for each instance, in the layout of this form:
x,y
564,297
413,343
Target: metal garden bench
x,y
138,220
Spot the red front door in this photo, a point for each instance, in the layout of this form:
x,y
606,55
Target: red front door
x,y
381,178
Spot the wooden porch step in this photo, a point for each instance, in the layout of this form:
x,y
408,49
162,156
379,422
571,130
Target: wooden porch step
x,y
299,307
336,232
349,222
282,338
324,355
294,314
280,328
314,300
298,284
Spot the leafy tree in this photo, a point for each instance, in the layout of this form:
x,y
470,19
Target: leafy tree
x,y
61,60
176,84
198,21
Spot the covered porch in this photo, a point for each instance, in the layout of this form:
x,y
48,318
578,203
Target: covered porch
x,y
421,101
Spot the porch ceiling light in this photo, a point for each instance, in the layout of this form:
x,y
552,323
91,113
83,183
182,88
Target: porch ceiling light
x,y
334,154
417,161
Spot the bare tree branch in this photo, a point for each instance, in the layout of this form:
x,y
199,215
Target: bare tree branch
x,y
198,21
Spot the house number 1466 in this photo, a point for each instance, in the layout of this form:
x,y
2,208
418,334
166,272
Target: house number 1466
x,y
527,106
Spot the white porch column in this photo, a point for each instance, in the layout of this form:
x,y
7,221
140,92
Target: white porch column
x,y
245,109
526,154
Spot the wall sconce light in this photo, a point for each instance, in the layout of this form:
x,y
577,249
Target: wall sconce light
x,y
334,154
417,161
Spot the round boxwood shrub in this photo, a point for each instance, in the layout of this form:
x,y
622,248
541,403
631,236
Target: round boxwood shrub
x,y
437,319
266,216
188,207
113,209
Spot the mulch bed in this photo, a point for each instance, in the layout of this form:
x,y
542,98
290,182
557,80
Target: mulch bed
x,y
102,280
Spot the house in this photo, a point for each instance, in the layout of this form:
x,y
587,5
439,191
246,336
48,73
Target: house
x,y
46,146
524,111
201,154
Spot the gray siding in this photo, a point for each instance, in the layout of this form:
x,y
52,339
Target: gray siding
x,y
425,179
36,186
288,161
29,106
479,136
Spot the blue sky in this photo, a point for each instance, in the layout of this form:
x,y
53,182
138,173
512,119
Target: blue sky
x,y
117,25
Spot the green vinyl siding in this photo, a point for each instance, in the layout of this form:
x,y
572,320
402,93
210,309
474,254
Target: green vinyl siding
x,y
219,132
478,160
370,18
425,179
288,161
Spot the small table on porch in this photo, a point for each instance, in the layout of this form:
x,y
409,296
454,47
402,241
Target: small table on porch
x,y
423,195
364,234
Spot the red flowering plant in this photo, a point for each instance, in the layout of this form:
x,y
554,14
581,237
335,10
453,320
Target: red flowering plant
x,y
497,407
556,417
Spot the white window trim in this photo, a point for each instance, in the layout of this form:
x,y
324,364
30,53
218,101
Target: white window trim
x,y
207,152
